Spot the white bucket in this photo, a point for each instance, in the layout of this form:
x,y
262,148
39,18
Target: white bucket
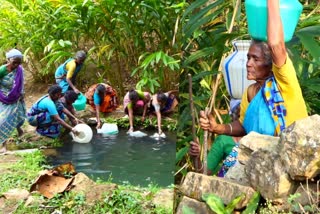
x,y
85,133
108,128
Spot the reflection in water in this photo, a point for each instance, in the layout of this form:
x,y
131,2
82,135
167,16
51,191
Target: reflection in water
x,y
136,160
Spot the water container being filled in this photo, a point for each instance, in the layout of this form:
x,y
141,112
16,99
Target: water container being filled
x,y
108,129
256,11
80,103
84,133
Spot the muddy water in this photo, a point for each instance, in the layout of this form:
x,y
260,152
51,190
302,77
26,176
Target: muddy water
x,y
136,160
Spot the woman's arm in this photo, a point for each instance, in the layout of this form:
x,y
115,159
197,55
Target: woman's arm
x,y
130,113
72,116
72,86
158,113
233,129
62,122
69,114
146,102
275,34
98,116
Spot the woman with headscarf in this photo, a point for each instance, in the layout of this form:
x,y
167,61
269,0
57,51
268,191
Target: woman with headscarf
x,y
47,114
66,73
101,98
12,106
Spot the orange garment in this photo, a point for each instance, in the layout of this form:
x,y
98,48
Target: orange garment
x,y
110,102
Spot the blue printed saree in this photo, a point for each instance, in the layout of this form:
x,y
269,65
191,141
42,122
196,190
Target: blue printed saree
x,y
266,114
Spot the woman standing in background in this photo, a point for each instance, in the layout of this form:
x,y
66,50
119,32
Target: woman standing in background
x,y
12,106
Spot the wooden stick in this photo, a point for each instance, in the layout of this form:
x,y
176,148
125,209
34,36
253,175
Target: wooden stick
x,y
194,137
192,108
205,147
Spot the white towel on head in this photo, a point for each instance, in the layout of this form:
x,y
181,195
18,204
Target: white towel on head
x,y
13,53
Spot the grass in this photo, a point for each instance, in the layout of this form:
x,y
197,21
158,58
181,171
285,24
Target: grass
x,y
124,199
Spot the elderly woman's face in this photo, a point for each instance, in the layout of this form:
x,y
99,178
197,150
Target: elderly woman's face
x,y
257,66
14,62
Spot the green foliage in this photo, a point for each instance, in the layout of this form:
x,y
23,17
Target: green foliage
x,y
115,34
252,204
188,210
122,201
311,207
21,174
216,204
154,67
125,199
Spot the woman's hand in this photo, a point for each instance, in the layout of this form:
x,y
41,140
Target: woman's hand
x,y
194,149
98,125
79,121
74,131
208,122
77,91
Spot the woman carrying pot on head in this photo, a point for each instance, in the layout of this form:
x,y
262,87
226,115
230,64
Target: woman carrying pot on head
x,y
275,101
47,114
101,98
67,72
135,102
163,103
12,106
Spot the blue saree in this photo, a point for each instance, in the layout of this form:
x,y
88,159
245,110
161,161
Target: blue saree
x,y
266,114
41,119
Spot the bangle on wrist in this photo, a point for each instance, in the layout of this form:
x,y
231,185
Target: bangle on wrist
x,y
230,126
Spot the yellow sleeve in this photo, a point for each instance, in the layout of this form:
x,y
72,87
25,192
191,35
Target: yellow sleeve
x,y
290,90
70,67
243,105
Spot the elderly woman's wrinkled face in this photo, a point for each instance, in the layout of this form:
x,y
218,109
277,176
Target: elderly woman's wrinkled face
x,y
257,65
14,62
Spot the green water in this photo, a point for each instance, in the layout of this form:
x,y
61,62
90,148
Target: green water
x,y
138,161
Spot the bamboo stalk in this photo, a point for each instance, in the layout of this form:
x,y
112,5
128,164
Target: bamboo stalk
x,y
194,137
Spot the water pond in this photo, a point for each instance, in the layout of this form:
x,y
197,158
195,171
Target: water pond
x,y
133,160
